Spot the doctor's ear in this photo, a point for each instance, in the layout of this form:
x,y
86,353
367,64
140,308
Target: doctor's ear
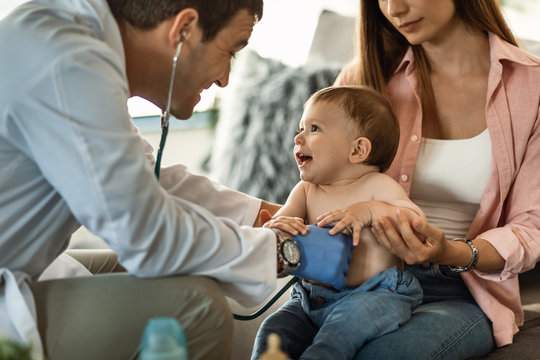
x,y
182,25
361,148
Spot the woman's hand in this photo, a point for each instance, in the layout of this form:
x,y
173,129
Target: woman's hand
x,y
292,225
411,238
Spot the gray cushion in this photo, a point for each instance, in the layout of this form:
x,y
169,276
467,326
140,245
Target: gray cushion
x,y
531,45
525,347
334,39
255,137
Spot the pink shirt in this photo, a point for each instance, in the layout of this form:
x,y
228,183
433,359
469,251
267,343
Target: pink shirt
x,y
509,214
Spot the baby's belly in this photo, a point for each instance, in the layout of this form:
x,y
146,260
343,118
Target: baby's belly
x,y
369,258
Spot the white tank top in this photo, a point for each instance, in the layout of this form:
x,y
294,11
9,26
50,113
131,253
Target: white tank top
x,y
449,179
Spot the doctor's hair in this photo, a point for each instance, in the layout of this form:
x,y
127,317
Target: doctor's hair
x,y
369,115
214,15
381,47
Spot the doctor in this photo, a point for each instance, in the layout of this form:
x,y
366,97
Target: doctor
x,y
70,155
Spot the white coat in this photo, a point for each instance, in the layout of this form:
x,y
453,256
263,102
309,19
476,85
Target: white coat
x,y
70,155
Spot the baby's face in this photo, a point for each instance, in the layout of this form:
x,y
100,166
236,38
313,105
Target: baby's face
x,y
323,144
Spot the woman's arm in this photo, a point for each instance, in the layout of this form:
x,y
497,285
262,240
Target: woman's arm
x,y
518,240
511,247
417,242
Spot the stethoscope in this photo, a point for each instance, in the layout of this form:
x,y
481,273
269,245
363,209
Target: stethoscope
x,y
165,114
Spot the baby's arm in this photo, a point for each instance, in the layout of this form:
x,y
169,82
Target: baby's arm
x,y
394,195
290,217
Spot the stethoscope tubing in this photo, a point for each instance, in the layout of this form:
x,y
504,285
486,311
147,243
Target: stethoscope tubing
x,y
165,115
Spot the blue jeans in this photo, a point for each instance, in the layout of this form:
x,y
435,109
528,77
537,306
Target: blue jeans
x,y
447,325
347,319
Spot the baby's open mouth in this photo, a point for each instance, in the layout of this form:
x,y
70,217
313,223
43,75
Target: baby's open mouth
x,y
302,158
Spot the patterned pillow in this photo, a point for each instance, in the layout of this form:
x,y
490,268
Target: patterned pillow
x,y
258,118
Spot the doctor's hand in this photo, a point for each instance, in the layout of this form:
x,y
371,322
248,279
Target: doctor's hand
x,y
413,240
292,225
324,257
266,212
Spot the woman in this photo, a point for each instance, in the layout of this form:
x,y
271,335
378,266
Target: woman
x,y
468,104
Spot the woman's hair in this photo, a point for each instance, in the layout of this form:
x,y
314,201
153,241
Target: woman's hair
x,y
214,15
381,47
371,116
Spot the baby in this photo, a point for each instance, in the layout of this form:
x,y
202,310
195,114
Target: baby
x,y
347,137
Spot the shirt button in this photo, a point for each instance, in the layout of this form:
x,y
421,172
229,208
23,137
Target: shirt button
x,y
414,138
321,300
404,177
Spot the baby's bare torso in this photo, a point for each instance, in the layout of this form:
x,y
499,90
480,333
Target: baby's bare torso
x,y
369,257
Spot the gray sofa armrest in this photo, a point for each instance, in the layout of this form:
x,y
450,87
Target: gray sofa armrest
x,y
525,346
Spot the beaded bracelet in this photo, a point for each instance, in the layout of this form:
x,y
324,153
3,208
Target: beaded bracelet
x,y
474,259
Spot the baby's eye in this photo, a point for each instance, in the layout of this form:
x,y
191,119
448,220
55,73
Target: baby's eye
x,y
299,130
314,128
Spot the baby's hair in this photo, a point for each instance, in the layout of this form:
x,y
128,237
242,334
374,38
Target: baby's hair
x,y
371,115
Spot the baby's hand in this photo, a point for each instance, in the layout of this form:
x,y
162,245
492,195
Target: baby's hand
x,y
292,225
350,220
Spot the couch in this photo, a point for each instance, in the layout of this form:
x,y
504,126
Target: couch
x,y
259,113
273,93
